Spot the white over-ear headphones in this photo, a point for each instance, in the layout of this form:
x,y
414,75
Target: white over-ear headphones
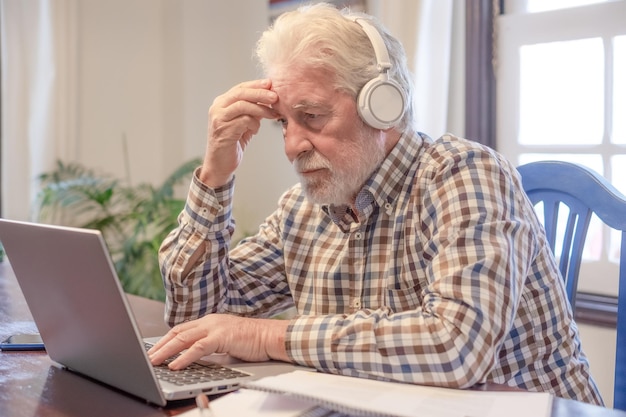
x,y
381,101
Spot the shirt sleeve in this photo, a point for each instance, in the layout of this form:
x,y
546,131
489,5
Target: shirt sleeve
x,y
477,245
201,276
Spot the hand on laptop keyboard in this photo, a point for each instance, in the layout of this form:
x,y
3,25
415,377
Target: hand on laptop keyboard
x,y
248,339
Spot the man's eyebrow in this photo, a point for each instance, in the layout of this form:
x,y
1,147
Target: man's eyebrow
x,y
308,105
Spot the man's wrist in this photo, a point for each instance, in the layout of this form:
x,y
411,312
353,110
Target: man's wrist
x,y
213,181
275,335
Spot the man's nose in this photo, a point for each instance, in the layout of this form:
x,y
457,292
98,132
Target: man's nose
x,y
296,141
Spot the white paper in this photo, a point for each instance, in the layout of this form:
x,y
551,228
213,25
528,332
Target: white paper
x,y
404,400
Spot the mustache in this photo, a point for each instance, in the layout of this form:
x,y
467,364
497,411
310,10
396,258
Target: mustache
x,y
311,161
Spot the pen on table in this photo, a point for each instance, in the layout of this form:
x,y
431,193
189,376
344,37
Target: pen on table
x,y
202,401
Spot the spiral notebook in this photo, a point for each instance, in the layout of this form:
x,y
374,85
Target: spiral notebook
x,y
365,397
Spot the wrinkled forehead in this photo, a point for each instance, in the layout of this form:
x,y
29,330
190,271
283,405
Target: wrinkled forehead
x,y
303,89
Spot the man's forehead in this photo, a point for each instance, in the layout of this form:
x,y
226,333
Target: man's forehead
x,y
312,80
303,105
303,95
285,85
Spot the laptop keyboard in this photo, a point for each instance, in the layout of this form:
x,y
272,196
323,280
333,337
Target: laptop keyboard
x,y
197,372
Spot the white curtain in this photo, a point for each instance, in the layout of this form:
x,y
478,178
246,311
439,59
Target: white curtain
x,y
39,102
427,30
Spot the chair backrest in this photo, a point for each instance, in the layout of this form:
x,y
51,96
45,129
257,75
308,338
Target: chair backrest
x,y
583,192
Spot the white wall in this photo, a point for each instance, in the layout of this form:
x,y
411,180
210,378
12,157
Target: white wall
x,y
150,69
121,86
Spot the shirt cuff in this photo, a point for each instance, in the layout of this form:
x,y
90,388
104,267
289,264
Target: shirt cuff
x,y
208,210
309,341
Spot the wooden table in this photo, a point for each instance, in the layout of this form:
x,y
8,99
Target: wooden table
x,y
32,385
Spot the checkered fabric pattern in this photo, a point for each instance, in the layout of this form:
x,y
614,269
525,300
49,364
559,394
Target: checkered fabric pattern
x,y
441,277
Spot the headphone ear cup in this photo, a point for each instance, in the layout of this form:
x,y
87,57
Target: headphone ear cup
x,y
381,103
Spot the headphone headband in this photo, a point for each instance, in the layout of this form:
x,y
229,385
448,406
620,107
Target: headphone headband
x,y
380,50
381,101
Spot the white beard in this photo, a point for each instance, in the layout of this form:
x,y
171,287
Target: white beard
x,y
358,160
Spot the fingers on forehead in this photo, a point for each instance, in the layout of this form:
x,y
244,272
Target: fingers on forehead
x,y
261,83
254,91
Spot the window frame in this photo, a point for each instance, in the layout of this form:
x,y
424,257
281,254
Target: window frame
x,y
512,29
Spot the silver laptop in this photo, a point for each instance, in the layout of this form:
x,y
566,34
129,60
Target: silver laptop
x,y
76,299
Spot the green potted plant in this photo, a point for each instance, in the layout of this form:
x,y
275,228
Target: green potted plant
x,y
134,219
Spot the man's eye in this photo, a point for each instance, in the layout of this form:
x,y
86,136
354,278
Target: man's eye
x,y
314,120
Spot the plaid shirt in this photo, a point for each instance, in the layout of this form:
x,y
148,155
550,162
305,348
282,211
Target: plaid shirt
x,y
443,277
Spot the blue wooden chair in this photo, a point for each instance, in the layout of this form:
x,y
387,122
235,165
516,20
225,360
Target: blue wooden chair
x,y
584,192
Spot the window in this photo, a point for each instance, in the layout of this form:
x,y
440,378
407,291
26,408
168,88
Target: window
x,y
561,94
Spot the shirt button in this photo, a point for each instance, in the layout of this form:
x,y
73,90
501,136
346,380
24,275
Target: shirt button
x,y
388,208
358,235
356,304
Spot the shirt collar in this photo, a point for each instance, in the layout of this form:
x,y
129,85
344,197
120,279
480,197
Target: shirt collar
x,y
386,183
